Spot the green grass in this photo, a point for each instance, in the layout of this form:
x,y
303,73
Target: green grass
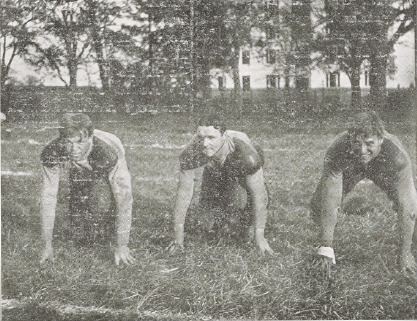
x,y
212,280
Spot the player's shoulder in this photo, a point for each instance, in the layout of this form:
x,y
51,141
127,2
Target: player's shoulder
x,y
339,147
106,136
108,141
54,153
192,156
340,142
234,134
393,152
246,155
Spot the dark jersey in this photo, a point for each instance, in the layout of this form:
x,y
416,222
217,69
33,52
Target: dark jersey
x,y
244,158
384,169
102,158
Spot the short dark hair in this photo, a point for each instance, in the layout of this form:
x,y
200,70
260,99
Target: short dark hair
x,y
366,123
72,123
213,120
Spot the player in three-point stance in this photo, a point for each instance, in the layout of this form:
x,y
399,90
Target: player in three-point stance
x,y
233,190
366,150
89,155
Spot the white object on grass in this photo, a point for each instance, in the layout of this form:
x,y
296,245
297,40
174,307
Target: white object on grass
x,y
327,252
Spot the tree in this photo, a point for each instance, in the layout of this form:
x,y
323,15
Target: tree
x,y
301,34
355,31
105,29
389,21
343,41
18,25
64,41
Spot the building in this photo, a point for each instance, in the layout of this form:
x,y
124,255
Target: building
x,y
285,61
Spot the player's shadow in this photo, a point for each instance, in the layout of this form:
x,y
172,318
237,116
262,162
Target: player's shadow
x,y
214,227
87,222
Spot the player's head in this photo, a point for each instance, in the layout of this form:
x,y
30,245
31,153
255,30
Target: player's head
x,y
366,133
210,131
214,121
75,124
76,129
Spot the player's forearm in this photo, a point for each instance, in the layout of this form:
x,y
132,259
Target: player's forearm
x,y
48,221
260,211
48,203
124,218
331,197
183,200
407,217
181,206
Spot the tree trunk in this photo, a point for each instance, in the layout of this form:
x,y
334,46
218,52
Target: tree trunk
x,y
98,46
378,80
72,68
205,79
356,87
237,89
104,77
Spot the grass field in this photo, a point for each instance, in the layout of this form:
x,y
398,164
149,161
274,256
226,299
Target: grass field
x,y
212,280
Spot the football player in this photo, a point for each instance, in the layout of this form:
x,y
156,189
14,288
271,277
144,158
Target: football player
x,y
233,190
366,150
89,155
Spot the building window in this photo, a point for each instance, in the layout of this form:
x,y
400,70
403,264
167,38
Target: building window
x,y
246,83
366,77
272,81
287,82
271,4
221,83
246,57
333,79
270,32
271,7
270,56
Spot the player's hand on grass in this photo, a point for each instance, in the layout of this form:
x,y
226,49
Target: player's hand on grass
x,y
122,254
323,266
178,244
47,254
324,261
408,263
262,243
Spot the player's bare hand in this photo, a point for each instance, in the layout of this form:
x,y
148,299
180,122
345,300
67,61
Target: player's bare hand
x,y
47,254
408,263
175,248
122,254
261,242
263,246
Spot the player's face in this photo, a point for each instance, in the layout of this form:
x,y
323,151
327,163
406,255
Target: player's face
x,y
366,148
79,146
211,139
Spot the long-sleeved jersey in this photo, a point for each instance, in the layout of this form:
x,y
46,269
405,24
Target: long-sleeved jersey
x,y
106,159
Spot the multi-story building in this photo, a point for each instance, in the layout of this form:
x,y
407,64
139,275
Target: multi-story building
x,y
285,60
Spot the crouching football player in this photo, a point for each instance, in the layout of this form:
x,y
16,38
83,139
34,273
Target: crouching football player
x,y
233,190
366,150
90,155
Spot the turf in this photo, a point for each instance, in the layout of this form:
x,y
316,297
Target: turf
x,y
219,279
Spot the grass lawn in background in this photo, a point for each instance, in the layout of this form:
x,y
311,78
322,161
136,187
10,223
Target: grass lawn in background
x,y
211,280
